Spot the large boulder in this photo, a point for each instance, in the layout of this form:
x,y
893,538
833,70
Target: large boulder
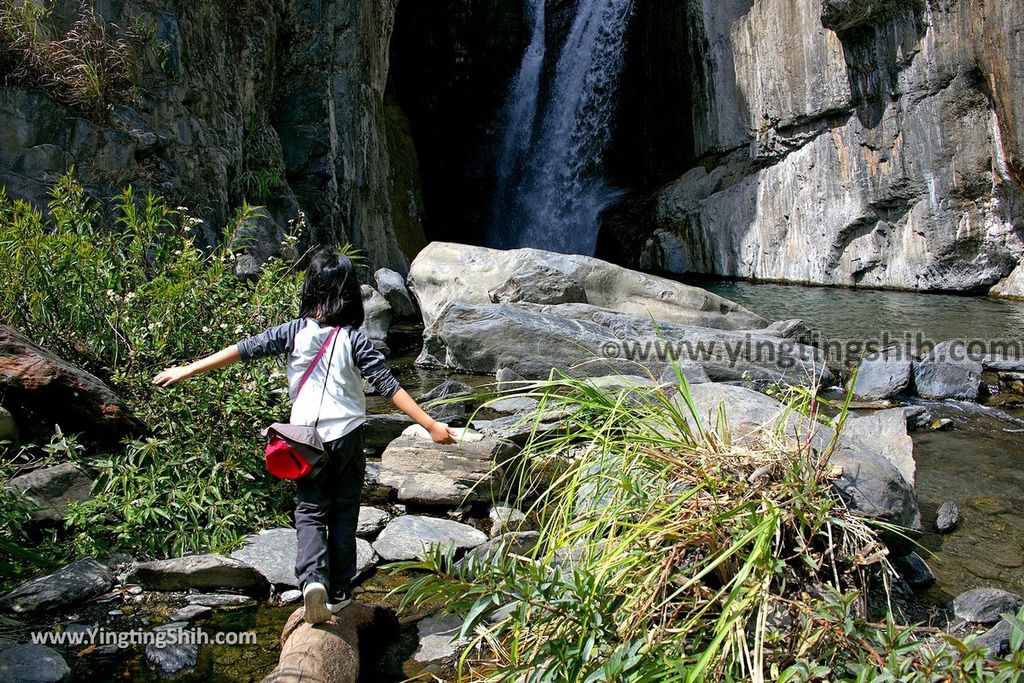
x,y
869,483
50,489
33,663
378,314
445,272
882,375
391,286
407,538
37,386
886,432
199,572
428,473
948,372
581,339
74,583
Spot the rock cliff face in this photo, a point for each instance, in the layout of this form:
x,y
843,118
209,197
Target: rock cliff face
x,y
848,142
278,102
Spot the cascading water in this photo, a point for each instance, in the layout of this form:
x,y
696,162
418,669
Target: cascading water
x,y
551,185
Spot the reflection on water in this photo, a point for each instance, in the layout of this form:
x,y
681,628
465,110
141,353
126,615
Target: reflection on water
x,y
861,314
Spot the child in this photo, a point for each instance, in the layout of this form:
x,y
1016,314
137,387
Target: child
x,y
327,507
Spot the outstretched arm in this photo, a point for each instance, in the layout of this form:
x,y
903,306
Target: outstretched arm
x,y
222,358
440,433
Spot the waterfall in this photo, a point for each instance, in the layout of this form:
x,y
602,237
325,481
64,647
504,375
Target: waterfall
x,y
551,185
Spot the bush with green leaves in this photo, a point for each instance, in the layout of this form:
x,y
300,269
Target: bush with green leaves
x,y
125,295
672,549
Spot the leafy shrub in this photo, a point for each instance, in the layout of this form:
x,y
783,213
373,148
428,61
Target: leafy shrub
x,y
123,297
671,549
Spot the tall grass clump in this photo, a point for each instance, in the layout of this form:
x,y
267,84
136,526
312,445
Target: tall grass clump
x,y
91,66
123,296
671,548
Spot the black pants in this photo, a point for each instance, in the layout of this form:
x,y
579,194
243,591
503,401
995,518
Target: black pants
x,y
326,514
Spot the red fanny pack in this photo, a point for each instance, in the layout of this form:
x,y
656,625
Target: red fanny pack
x,y
297,451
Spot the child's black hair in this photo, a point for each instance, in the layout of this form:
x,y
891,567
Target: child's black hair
x,y
330,292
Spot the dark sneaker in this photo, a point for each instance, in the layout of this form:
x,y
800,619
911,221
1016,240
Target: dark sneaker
x,y
339,601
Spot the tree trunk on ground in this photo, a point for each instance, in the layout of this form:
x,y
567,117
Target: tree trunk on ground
x,y
324,653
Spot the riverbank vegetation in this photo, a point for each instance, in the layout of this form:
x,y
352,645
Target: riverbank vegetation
x,y
122,293
672,548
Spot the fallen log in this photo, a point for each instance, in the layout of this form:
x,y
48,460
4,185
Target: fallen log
x,y
328,652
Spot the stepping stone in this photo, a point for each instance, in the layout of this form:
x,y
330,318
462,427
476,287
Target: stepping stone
x,y
201,572
371,521
190,612
271,552
219,600
406,537
77,582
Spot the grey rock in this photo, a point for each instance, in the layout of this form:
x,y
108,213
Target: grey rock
x,y
381,429
505,518
507,379
447,389
172,658
915,570
199,572
886,432
870,485
8,427
985,605
271,552
371,521
513,404
31,663
438,636
6,644
794,329
435,474
947,518
539,284
291,596
439,403
694,373
515,542
219,600
406,537
391,286
50,489
170,626
444,272
190,613
996,640
76,582
948,373
580,339
366,558
378,314
1012,286
882,376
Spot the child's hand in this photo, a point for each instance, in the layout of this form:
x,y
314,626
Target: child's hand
x,y
171,376
441,433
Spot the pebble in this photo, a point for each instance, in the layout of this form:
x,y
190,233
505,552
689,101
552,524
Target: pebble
x,y
947,518
190,612
292,596
219,599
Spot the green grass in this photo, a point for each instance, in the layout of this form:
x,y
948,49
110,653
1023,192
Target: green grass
x,y
671,549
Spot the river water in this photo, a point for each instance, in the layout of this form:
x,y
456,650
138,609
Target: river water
x,y
978,462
